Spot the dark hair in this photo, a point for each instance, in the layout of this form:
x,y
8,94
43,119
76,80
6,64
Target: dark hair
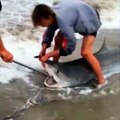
x,y
41,11
0,6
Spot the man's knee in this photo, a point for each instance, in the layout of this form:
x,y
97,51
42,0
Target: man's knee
x,y
85,53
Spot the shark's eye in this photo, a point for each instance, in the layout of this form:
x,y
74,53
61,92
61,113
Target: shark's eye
x,y
57,71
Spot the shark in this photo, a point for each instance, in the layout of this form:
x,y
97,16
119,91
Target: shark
x,y
78,73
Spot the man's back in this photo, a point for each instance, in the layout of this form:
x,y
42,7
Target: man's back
x,y
76,13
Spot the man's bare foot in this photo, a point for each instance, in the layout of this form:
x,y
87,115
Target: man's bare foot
x,y
102,82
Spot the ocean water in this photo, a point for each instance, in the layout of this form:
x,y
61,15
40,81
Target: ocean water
x,y
17,30
18,84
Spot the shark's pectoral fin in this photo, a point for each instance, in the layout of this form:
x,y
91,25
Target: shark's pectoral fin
x,y
93,83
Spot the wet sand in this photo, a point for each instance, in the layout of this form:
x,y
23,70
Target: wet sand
x,y
105,108
100,105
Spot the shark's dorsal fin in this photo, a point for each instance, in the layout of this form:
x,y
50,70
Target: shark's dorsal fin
x,y
104,48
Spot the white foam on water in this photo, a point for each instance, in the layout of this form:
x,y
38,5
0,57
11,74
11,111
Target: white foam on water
x,y
23,52
48,2
8,74
111,19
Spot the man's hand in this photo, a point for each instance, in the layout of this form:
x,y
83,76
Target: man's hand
x,y
46,57
42,53
43,59
6,56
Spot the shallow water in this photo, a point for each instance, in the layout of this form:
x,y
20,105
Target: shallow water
x,y
102,104
105,108
24,86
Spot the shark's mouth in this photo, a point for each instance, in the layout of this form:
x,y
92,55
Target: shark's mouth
x,y
50,82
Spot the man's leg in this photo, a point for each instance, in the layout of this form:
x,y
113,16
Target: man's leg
x,y
58,44
87,53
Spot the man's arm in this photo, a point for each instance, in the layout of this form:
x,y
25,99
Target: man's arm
x,y
47,38
49,34
1,46
63,51
68,33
